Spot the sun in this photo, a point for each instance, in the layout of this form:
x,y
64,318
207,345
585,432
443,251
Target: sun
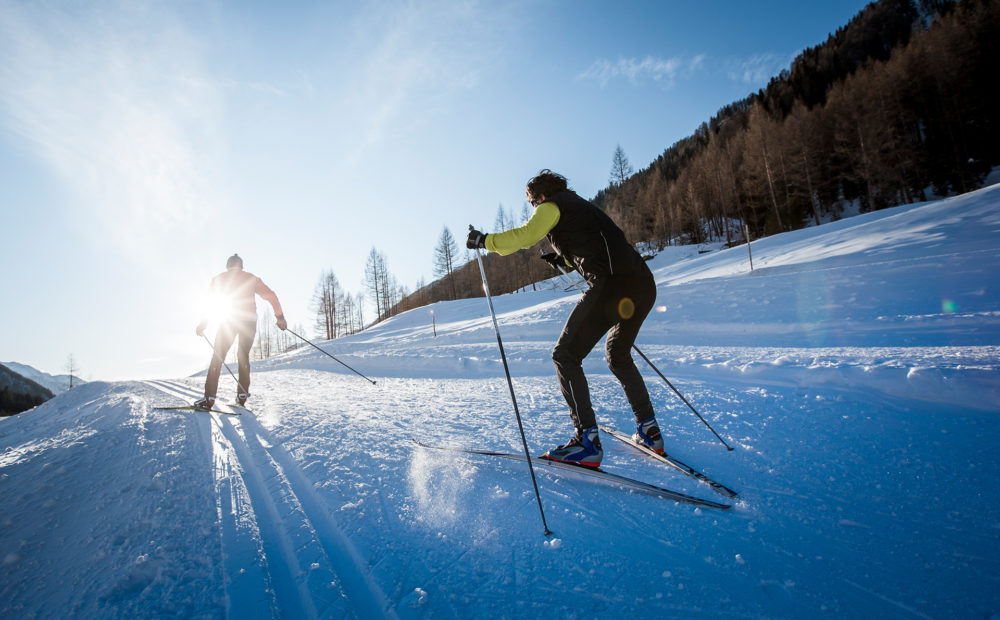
x,y
218,308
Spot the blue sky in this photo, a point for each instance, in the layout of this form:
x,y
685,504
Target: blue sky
x,y
143,143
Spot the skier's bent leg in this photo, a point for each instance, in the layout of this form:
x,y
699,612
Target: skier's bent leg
x,y
624,368
223,340
573,384
247,334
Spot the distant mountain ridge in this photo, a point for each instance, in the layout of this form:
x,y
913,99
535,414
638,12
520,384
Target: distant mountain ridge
x,y
19,393
56,384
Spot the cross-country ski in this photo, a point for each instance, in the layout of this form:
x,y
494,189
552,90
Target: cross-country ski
x,y
718,487
606,477
193,408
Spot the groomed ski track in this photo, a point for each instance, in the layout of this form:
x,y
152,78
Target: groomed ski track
x,y
281,547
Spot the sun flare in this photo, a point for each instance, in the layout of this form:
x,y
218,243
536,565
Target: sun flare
x,y
218,308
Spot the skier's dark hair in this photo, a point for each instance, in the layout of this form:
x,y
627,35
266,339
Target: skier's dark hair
x,y
234,261
546,183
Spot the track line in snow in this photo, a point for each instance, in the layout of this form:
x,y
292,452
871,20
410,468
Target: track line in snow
x,y
888,600
364,594
311,566
248,566
179,390
283,529
248,585
261,529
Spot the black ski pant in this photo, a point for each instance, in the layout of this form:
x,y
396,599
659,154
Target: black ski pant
x,y
616,305
228,332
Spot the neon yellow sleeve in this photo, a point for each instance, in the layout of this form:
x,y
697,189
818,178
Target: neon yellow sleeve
x,y
544,219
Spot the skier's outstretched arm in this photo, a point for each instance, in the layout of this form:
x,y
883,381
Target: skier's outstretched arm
x,y
544,219
265,292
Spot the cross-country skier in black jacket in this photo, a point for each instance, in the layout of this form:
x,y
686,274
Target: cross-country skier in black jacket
x,y
621,294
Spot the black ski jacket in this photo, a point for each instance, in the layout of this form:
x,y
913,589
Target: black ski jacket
x,y
589,239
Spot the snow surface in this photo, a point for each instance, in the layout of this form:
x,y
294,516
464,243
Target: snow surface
x,y
854,371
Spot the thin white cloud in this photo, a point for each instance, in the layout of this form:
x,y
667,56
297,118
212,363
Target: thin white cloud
x,y
267,89
637,70
415,58
757,70
114,99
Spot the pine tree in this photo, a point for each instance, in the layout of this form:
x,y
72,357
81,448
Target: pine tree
x,y
621,169
444,260
72,368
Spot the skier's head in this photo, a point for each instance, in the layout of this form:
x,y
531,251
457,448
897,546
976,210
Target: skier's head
x,y
234,262
543,185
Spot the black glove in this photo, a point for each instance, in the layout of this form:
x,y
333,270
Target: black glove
x,y
476,240
558,262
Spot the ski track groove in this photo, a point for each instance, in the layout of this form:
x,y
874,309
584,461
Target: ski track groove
x,y
244,559
249,591
364,594
268,547
290,519
898,605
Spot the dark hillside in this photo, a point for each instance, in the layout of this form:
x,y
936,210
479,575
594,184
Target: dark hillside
x,y
897,106
18,393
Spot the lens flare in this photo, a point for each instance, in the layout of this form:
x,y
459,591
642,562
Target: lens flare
x,y
626,308
948,306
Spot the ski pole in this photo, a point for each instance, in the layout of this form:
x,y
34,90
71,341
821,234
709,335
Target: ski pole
x,y
331,357
681,396
643,356
216,354
510,385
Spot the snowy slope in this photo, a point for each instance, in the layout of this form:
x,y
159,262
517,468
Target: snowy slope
x,y
854,370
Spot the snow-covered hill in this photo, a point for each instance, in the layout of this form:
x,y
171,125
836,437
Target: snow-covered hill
x,y
855,371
